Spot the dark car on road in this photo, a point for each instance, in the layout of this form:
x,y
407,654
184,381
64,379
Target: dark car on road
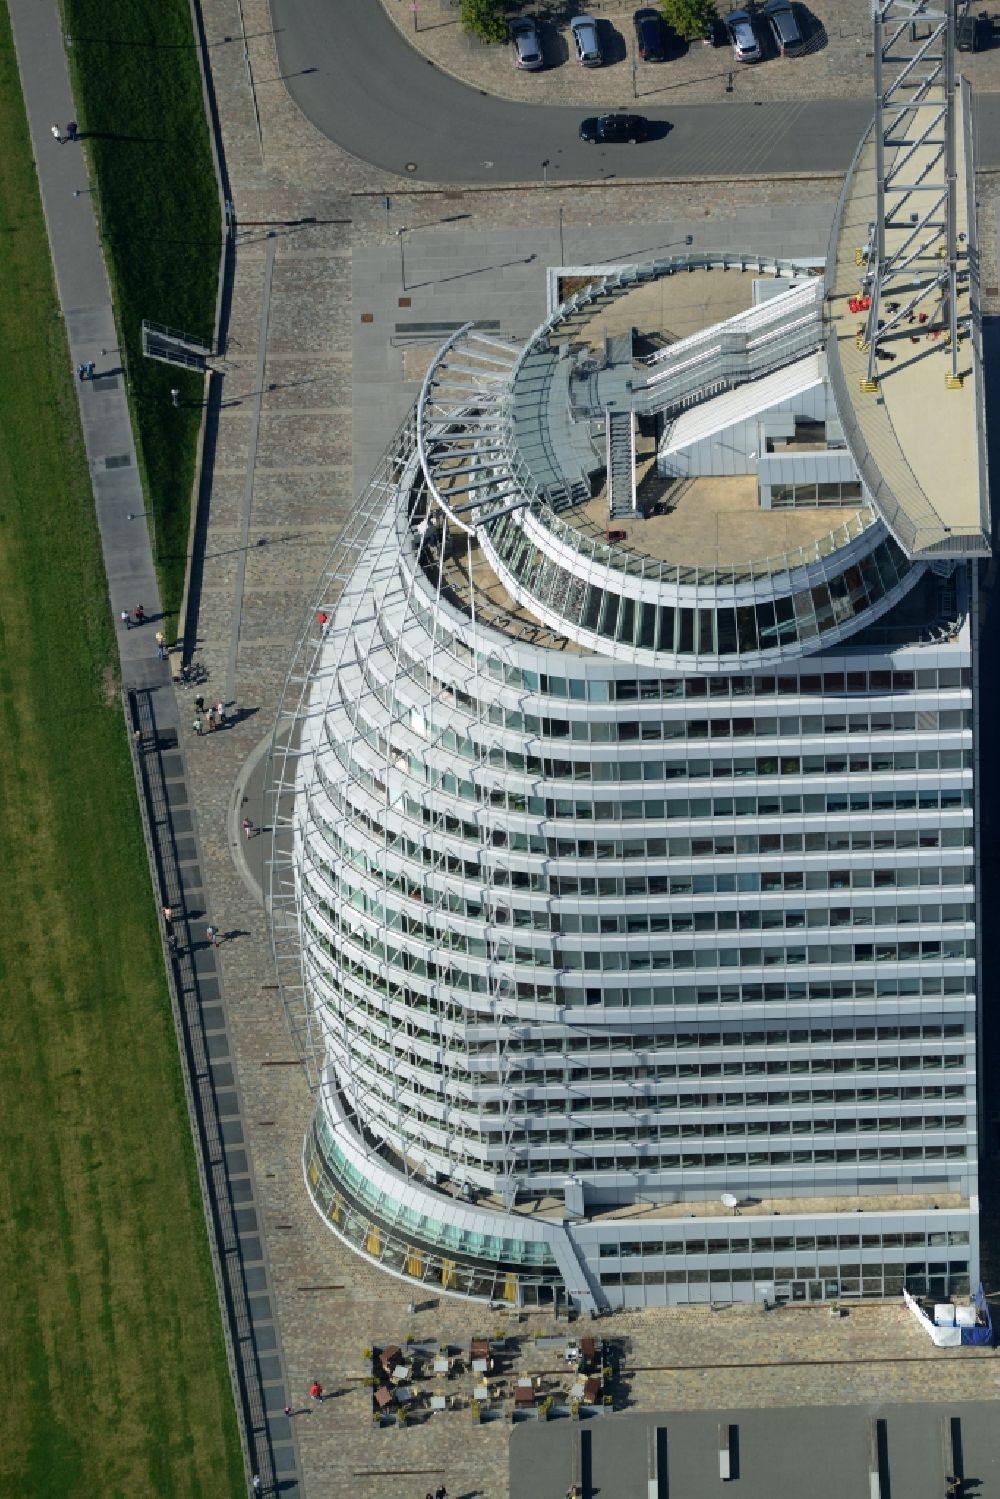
x,y
784,28
648,35
603,130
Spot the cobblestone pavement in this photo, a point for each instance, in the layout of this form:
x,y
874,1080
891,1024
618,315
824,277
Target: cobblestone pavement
x,y
288,400
837,64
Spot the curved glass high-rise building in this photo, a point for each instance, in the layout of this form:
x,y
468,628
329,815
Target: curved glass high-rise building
x,y
633,883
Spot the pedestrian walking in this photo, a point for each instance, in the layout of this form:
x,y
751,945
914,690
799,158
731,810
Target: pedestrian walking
x,y
168,914
57,134
199,702
440,1492
212,933
173,946
247,829
138,614
211,719
90,369
255,1483
81,373
316,1390
198,727
137,739
71,131
161,645
126,619
288,1410
220,711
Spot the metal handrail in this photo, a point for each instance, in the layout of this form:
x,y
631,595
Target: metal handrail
x,y
209,1154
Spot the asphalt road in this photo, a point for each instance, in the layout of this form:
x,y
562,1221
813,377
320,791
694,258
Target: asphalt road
x,y
359,82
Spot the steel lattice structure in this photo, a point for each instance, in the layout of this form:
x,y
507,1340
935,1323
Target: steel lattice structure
x,y
913,252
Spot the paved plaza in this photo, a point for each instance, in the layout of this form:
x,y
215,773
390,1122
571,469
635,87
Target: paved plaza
x,y
321,361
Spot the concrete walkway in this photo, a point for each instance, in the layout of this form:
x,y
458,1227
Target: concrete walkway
x,y
90,329
194,973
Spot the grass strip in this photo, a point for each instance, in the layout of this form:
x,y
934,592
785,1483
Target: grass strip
x,y
140,109
112,1360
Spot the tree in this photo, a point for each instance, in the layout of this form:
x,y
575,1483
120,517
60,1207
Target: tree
x,y
691,19
485,19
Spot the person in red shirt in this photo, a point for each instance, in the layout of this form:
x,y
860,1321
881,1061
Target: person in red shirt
x,y
316,1390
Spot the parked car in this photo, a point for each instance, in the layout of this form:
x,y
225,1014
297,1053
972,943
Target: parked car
x,y
527,46
588,42
742,37
603,130
649,35
784,28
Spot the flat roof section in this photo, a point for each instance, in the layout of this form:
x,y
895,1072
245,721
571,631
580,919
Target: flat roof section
x,y
916,441
826,1452
668,308
711,520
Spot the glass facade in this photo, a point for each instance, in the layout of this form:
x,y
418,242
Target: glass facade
x,y
582,927
801,496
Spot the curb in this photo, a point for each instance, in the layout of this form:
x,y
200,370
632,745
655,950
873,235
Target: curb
x,y
234,820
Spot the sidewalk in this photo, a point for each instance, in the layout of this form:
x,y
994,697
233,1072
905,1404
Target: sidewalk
x,y
90,330
167,805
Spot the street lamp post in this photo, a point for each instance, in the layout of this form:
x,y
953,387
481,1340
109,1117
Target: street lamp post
x,y
562,253
545,172
402,257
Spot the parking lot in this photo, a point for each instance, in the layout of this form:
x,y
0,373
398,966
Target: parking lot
x,y
836,62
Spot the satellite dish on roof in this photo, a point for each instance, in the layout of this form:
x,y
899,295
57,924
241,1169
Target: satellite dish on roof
x,y
730,1201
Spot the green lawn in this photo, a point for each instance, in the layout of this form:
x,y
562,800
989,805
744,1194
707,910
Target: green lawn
x,y
111,1356
140,106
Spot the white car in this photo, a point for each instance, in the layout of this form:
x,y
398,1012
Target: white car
x,y
588,43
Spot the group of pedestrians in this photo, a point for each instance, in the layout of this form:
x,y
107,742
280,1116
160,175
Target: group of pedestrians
x,y
206,720
173,945
136,616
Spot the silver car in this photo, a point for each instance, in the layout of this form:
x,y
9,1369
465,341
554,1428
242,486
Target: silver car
x,y
588,43
746,47
780,17
527,46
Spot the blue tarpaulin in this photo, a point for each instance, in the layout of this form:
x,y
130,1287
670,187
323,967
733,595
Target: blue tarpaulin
x,y
983,1330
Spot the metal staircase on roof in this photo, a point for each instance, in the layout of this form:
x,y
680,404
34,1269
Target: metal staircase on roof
x,y
621,463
